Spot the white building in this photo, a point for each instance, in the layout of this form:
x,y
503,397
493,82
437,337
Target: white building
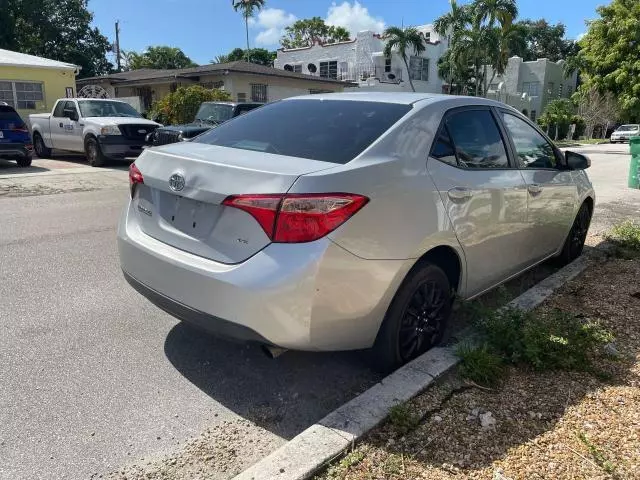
x,y
361,60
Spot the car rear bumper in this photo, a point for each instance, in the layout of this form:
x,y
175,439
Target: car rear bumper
x,y
118,147
15,150
311,296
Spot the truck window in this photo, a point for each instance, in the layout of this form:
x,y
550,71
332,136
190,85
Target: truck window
x,y
57,112
70,106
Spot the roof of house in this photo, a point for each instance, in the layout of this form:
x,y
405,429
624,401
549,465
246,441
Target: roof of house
x,y
16,59
222,68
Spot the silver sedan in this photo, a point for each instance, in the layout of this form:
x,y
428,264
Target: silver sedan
x,y
349,221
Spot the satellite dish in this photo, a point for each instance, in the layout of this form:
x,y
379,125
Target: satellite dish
x,y
92,91
525,96
502,87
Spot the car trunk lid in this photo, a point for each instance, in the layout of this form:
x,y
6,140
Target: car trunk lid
x,y
180,201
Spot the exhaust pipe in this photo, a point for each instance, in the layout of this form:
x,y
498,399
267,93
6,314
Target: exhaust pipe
x,y
273,352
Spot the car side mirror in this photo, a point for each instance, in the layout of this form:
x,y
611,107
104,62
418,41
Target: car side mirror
x,y
72,115
577,161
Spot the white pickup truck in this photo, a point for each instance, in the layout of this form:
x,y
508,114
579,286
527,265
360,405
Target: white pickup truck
x,y
101,128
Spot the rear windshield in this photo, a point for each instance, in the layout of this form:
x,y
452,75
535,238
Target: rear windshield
x,y
9,118
333,131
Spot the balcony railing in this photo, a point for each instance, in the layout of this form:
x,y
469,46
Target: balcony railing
x,y
362,74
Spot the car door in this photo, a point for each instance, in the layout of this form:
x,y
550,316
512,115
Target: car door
x,y
551,191
72,139
483,193
56,125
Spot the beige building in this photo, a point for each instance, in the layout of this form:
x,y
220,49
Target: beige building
x,y
245,82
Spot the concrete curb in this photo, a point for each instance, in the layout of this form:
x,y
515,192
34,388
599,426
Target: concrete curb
x,y
60,171
307,452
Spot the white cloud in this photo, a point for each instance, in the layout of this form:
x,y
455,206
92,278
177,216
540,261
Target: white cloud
x,y
354,17
580,36
271,22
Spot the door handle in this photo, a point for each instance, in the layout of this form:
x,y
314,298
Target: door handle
x,y
460,193
61,126
534,189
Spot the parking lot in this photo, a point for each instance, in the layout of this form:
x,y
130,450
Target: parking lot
x,y
95,378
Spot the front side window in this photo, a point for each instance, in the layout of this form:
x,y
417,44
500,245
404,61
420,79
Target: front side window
x,y
69,107
476,140
333,131
258,92
419,68
59,110
329,69
102,108
533,150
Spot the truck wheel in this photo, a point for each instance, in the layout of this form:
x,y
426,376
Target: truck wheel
x,y
41,149
93,152
24,161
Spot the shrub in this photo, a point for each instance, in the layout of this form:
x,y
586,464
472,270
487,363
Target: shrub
x,y
626,234
182,105
480,364
581,126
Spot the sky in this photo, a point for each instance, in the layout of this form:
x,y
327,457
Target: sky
x,y
204,29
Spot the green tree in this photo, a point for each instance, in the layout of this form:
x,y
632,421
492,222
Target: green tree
x,y
544,40
610,54
160,57
260,56
557,115
304,33
404,42
56,29
248,9
182,105
452,25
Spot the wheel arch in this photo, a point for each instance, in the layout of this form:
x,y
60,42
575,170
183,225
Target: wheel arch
x,y
448,259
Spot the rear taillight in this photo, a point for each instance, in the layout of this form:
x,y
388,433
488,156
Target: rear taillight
x,y
135,178
20,129
297,218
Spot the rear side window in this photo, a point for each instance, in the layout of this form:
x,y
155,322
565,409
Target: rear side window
x,y
333,131
58,111
476,139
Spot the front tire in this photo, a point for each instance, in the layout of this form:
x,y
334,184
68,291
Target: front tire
x,y
93,152
41,149
416,320
574,243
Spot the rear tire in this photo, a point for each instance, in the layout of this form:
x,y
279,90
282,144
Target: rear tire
x,y
93,152
416,320
41,149
574,243
24,162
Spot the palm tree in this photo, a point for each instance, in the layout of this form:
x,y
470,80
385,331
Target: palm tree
x,y
248,9
452,24
403,41
504,11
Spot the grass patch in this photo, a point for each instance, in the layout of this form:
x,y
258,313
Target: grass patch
x,y
599,457
480,364
626,236
542,341
403,418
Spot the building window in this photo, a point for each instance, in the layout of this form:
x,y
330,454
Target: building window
x,y
531,88
427,37
387,65
242,97
259,93
551,88
533,115
218,84
21,95
297,68
560,88
315,91
419,68
329,69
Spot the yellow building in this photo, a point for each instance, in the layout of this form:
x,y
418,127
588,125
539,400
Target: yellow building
x,y
32,84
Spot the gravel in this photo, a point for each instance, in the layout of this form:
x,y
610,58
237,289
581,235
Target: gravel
x,y
537,425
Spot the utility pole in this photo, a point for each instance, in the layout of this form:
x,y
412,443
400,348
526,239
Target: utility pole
x,y
118,45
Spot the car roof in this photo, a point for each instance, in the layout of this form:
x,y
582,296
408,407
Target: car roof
x,y
404,98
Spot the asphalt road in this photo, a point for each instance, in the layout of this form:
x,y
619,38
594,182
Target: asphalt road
x,y
93,377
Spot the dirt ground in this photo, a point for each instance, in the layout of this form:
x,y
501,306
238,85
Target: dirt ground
x,y
553,425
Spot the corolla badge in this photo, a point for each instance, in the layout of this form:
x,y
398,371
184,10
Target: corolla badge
x,y
176,182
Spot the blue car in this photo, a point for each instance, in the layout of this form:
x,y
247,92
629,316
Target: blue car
x,y
15,139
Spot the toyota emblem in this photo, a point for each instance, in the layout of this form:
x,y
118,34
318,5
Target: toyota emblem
x,y
176,182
